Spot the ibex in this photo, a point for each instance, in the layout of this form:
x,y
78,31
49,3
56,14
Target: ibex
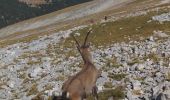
x,y
84,82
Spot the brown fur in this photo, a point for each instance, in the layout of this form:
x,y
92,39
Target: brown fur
x,y
84,82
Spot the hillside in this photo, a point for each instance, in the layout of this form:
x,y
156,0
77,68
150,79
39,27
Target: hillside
x,y
13,11
131,47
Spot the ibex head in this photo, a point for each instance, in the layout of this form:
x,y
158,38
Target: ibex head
x,y
84,49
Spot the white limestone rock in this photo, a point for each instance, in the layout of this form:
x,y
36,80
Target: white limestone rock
x,y
162,18
35,72
160,34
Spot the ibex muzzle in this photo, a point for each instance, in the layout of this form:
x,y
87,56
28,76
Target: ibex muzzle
x,y
84,82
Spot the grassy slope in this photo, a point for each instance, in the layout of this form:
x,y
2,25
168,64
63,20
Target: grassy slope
x,y
111,28
121,30
33,34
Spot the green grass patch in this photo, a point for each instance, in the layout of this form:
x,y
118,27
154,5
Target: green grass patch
x,y
116,94
108,85
168,76
112,62
134,61
60,78
117,77
33,90
117,31
153,57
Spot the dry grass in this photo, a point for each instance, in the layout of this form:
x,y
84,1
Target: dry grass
x,y
116,94
33,90
33,57
136,92
60,78
108,85
117,77
2,84
117,31
134,61
35,33
168,76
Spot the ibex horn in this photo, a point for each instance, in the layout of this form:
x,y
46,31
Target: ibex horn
x,y
86,37
78,47
76,41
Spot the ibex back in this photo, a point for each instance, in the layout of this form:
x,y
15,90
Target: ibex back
x,y
84,82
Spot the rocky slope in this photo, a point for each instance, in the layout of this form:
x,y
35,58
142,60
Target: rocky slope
x,y
140,65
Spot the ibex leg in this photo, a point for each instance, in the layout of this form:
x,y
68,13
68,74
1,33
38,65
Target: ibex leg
x,y
94,92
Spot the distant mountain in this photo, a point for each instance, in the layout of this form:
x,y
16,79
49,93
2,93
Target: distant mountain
x,y
12,11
